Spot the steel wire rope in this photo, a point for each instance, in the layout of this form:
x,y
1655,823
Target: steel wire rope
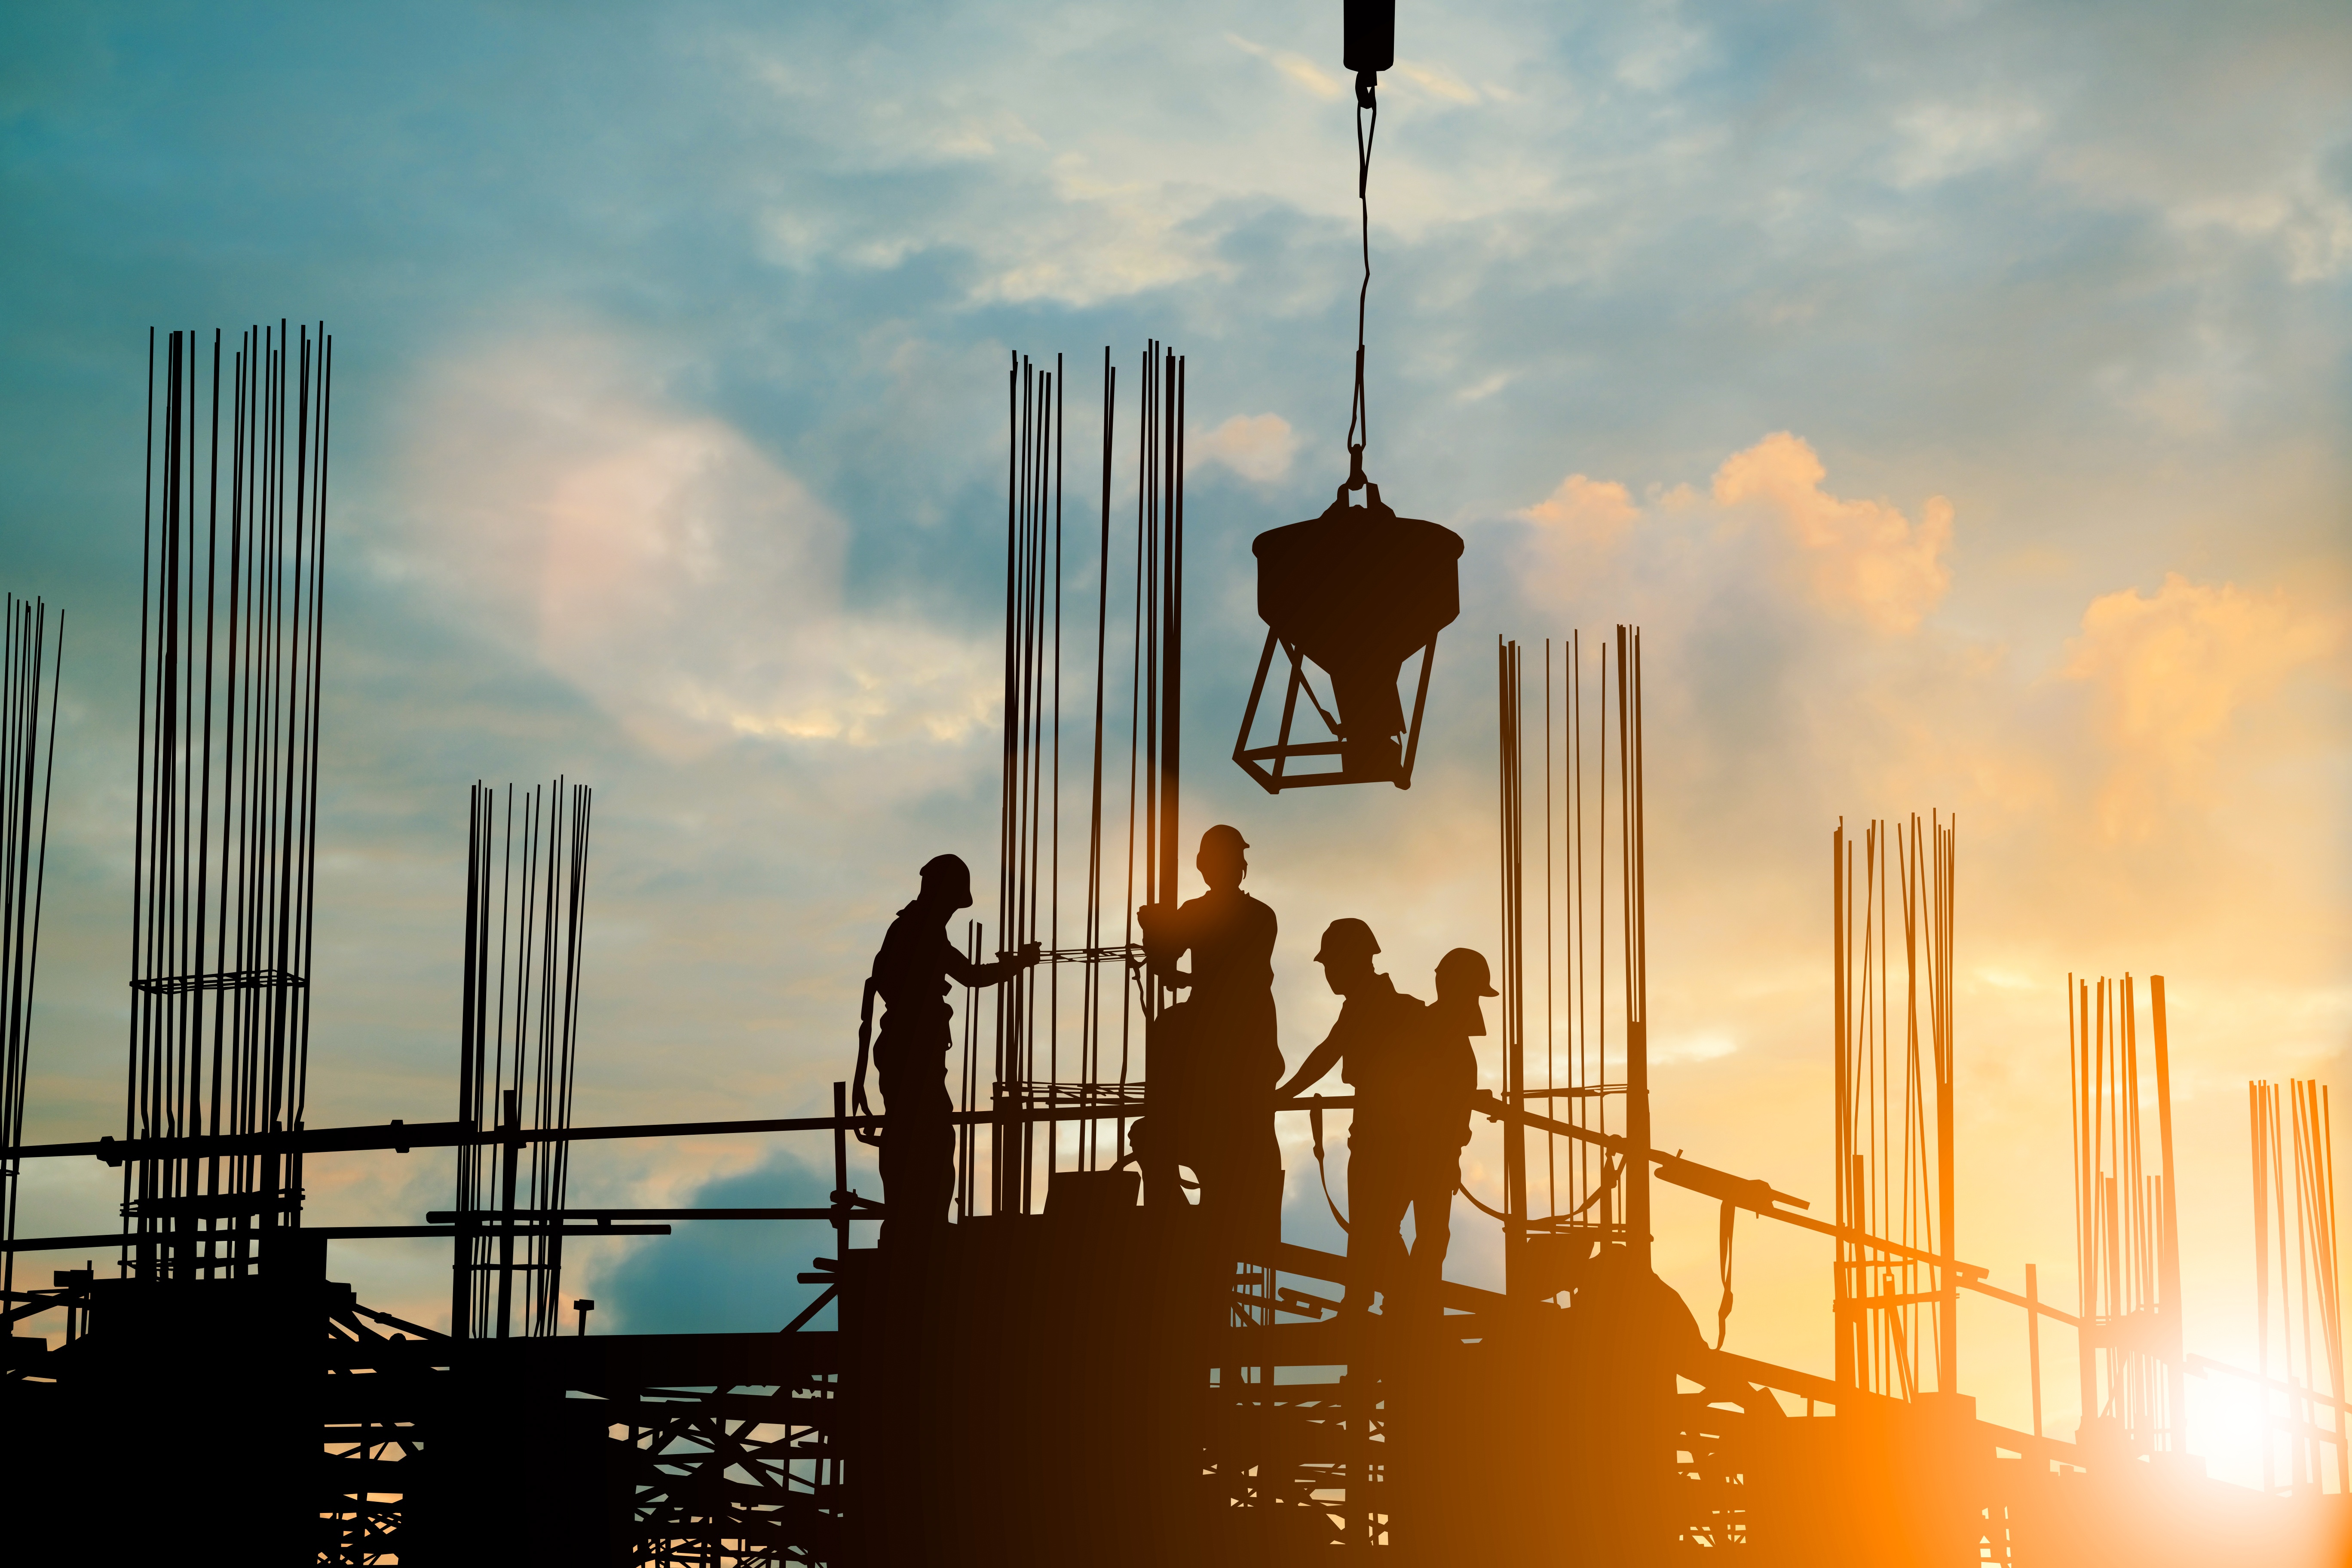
x,y
1359,414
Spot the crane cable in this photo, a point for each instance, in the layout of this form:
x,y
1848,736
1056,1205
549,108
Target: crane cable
x,y
1358,416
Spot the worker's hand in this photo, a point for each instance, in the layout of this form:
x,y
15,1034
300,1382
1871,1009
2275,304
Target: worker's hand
x,y
1030,953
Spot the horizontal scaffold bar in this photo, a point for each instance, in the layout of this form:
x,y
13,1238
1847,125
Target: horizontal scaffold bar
x,y
1756,1195
1747,1192
1759,1197
487,1218
403,1136
175,1239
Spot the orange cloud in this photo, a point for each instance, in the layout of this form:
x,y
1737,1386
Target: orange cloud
x,y
2168,674
1256,446
1861,557
1860,560
1596,511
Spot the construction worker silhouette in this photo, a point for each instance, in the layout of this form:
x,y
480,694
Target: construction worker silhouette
x,y
1379,1031
911,974
1435,1081
1213,1057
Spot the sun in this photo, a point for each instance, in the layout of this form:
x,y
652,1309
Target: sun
x,y
2225,1428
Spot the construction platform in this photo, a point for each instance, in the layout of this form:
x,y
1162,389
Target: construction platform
x,y
1104,1386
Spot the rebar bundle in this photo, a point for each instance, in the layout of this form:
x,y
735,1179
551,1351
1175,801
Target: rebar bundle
x,y
518,1039
2307,1309
1028,1068
1894,1310
1592,845
225,847
27,763
2125,1228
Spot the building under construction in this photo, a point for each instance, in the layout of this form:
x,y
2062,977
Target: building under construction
x,y
1065,1373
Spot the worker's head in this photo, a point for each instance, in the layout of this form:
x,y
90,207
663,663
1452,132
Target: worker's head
x,y
1346,955
1462,979
946,881
1222,860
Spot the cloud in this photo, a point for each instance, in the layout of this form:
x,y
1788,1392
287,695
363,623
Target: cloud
x,y
1298,69
1254,445
1437,81
656,557
777,200
1600,510
1690,1048
1861,560
723,1275
2168,675
1663,52
1859,557
1942,140
1103,239
2309,221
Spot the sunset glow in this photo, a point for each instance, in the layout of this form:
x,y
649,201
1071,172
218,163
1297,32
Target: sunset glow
x,y
1953,393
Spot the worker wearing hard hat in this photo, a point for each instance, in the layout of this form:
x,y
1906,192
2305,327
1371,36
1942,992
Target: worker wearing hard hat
x,y
1379,1033
1213,1057
1435,1083
911,975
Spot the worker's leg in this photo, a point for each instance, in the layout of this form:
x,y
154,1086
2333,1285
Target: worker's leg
x,y
1240,1166
1377,1196
1169,1117
917,1156
1433,1228
1261,1159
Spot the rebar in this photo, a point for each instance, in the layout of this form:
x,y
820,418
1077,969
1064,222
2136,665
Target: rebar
x,y
226,840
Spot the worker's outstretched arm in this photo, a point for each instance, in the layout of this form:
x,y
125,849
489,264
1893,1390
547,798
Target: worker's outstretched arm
x,y
963,971
1318,1062
1165,942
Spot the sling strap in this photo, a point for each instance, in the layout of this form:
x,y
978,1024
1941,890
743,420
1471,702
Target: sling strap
x,y
1610,1170
858,1100
1723,1246
1314,1120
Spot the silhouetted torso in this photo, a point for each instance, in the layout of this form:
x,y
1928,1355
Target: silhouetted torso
x,y
1435,1077
1231,937
1213,1058
914,968
1379,1032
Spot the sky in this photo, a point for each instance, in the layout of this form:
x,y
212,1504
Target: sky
x,y
1954,393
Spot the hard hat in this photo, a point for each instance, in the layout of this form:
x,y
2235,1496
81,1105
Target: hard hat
x,y
1347,938
1224,838
951,875
1468,966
